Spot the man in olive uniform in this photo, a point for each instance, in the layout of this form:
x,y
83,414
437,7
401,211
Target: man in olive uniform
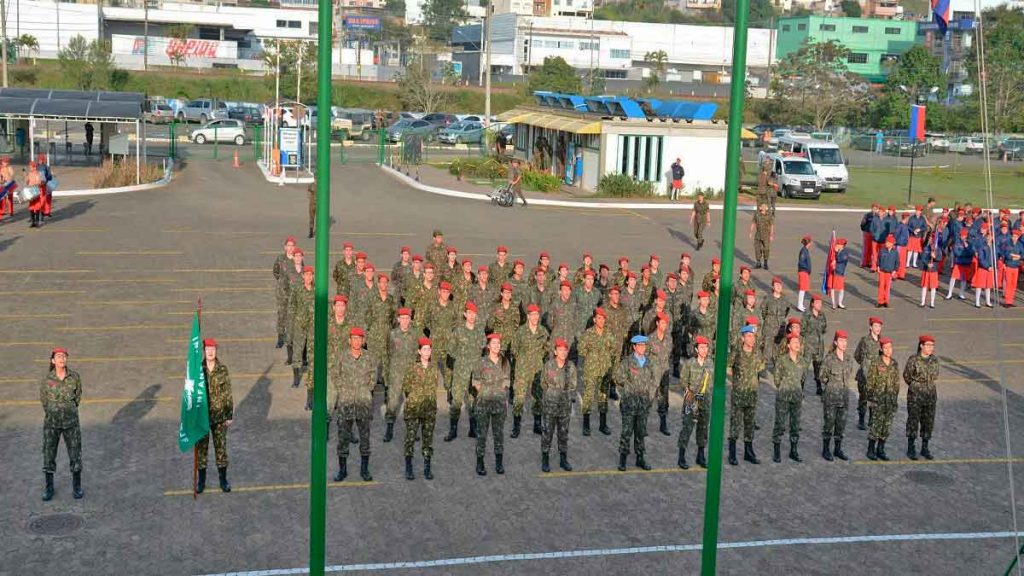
x,y
762,232
399,272
764,192
491,382
362,290
774,311
636,376
437,252
789,398
742,285
558,386
837,371
344,269
707,284
311,197
350,400
580,274
529,348
560,316
745,367
402,346
505,316
703,321
882,390
742,315
539,294
380,313
483,294
813,328
60,394
282,286
864,355
422,295
700,217
696,376
222,413
500,269
466,347
920,374
410,282
659,346
587,298
597,349
420,389
439,322
302,324
337,334
618,322
292,277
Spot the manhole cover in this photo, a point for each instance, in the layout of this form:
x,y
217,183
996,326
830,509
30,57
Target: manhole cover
x,y
55,524
928,478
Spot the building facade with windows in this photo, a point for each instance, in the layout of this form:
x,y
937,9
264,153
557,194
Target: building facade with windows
x,y
954,47
873,43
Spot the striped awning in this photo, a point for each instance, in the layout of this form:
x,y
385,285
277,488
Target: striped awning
x,y
552,121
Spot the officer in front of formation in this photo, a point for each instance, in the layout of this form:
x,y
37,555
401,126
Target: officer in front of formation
x,y
222,413
60,394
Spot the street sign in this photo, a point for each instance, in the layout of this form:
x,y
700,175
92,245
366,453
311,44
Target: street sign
x,y
291,147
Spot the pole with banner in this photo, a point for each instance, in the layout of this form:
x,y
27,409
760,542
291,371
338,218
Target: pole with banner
x,y
916,133
194,423
712,498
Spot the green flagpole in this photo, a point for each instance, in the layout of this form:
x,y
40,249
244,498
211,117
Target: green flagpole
x,y
712,498
318,466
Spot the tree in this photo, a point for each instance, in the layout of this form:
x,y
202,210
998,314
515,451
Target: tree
x,y
813,85
761,11
555,75
657,60
179,33
910,80
417,90
101,64
1004,68
595,82
290,55
441,16
29,44
395,7
86,65
851,8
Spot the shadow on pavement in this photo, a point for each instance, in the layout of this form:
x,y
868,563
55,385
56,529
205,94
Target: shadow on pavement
x,y
255,407
137,409
61,213
8,242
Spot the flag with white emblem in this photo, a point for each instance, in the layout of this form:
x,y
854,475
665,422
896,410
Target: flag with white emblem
x,y
195,417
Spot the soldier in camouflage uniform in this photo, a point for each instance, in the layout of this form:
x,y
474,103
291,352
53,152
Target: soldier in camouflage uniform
x,y
539,294
774,311
222,413
657,274
292,276
466,347
703,321
529,348
587,298
420,386
660,346
739,289
762,232
645,292
344,269
380,313
659,306
837,371
708,283
519,281
920,374
60,394
311,199
410,282
696,376
350,401
558,386
700,217
337,333
745,367
619,278
505,317
636,376
437,252
491,382
302,324
422,295
483,294
402,345
439,322
580,274
450,270
882,389
618,322
742,315
359,296
561,315
815,324
282,286
597,349
500,269
789,398
866,352
399,272
632,300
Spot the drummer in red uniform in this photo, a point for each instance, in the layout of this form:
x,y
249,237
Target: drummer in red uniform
x,y
35,206
8,187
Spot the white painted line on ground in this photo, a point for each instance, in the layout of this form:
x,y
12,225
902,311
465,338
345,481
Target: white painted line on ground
x,y
599,552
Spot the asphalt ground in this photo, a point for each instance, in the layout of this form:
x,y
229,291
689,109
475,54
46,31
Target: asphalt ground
x,y
115,279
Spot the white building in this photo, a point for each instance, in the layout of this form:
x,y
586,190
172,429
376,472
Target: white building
x,y
521,7
53,24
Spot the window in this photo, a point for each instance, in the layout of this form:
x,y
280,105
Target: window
x,y
827,27
619,53
295,24
282,23
206,33
860,29
857,58
785,27
893,31
641,157
801,26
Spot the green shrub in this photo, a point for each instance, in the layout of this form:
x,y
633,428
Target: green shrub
x,y
623,186
541,181
488,168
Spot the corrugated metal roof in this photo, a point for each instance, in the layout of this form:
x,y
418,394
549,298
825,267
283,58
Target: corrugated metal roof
x,y
49,94
69,108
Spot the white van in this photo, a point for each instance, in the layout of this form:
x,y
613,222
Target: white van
x,y
792,176
825,158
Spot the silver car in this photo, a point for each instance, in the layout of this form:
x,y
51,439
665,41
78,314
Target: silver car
x,y
220,131
203,110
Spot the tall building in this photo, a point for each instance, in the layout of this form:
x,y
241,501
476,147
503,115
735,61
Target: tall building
x,y
872,43
954,46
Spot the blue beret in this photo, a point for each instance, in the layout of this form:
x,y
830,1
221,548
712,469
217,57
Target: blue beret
x,y
638,339
748,330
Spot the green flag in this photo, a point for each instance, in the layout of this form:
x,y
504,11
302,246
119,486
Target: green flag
x,y
195,417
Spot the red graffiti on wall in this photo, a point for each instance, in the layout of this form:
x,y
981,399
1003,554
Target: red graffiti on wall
x,y
192,48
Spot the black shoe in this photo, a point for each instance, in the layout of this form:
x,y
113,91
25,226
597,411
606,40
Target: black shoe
x,y
545,462
880,451
288,359
453,430
472,427
517,422
837,450
222,473
480,469
563,461
280,341
826,452
342,469
536,424
776,452
817,389
296,377
586,424
663,425
309,400
765,264
860,420
911,449
871,450
701,460
681,462
48,490
794,454
622,461
427,472
364,468
642,463
603,426
310,232
389,432
409,474
76,477
748,453
758,265
732,452
201,483
499,466
613,394
925,452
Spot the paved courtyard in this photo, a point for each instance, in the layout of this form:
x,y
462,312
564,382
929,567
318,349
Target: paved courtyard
x,y
115,280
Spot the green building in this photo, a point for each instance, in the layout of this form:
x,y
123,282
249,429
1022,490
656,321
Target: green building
x,y
871,41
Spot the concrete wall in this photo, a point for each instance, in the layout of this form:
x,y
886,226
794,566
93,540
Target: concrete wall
x,y
701,147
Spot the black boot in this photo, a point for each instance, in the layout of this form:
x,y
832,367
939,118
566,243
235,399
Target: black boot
x,y
364,468
701,460
663,424
288,359
732,452
48,490
453,430
499,466
766,264
201,483
911,449
310,231
389,432
472,427
409,475
860,420
622,461
480,469
342,469
925,452
613,394
817,388
682,459
603,427
76,477
222,473
563,461
517,422
641,462
776,452
748,453
826,453
536,424
545,462
32,219
427,472
296,377
586,424
880,451
309,400
871,450
837,450
794,454
280,341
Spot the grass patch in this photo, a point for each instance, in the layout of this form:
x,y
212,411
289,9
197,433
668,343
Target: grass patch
x,y
117,174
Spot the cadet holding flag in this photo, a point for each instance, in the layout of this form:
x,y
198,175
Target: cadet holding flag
x,y
221,414
195,417
60,394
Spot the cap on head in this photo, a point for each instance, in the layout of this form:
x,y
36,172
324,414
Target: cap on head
x,y
565,284
417,258
404,312
437,233
748,329
341,298
445,286
357,331
638,339
875,320
347,245
925,338
502,250
493,336
561,343
599,312
471,307
289,240
533,309
307,268
209,342
701,340
404,250
884,341
792,321
840,334
56,350
506,287
703,294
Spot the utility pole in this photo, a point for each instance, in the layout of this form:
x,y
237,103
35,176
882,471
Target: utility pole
x,y
145,32
487,65
3,32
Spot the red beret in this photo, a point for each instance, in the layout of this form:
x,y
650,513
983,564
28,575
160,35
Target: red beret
x,y
357,331
563,265
655,257
417,258
346,245
792,321
703,294
544,254
298,252
483,268
890,238
716,260
684,255
744,267
565,284
841,241
918,207
840,334
623,259
631,274
445,286
518,262
404,312
777,280
892,207
506,287
307,269
588,272
672,275
925,338
806,237
750,292
645,268
701,340
467,261
289,240
613,288
561,343
532,308
660,295
341,298
963,233
815,297
752,320
471,306
599,312
209,342
423,341
884,341
875,320
383,276
588,255
603,267
428,266
360,255
451,250
875,205
369,266
493,336
503,249
404,249
662,316
65,352
792,336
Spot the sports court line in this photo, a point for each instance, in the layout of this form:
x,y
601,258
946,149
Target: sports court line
x,y
220,270
130,253
69,271
95,401
278,487
223,312
14,292
119,328
601,552
224,289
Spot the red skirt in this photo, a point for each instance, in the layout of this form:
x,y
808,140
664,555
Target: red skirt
x,y
961,272
836,282
930,279
803,281
37,204
914,244
982,279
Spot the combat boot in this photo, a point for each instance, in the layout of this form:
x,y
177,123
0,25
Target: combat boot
x,y
517,422
499,466
603,427
563,461
622,461
586,424
201,482
453,430
925,452
682,459
732,452
641,462
472,427
222,473
871,450
427,472
701,460
911,449
613,394
880,451
663,425
288,359
825,452
480,469
748,453
364,468
776,452
389,432
309,400
837,451
310,231
48,490
765,263
794,454
860,420
545,462
280,341
296,377
76,477
409,475
342,469
817,387
536,424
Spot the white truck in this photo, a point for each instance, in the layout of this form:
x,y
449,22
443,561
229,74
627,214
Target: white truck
x,y
825,157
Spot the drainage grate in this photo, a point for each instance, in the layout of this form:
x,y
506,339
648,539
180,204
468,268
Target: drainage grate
x,y
56,524
927,478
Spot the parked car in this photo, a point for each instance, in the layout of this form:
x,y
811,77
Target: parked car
x,y
863,141
1012,149
465,131
220,131
248,113
158,113
794,177
357,122
966,145
440,119
405,127
203,110
936,142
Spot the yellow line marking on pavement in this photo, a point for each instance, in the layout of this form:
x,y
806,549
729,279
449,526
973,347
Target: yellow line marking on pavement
x,y
335,236
224,289
984,318
117,328
220,340
131,253
61,229
116,359
637,214
131,281
69,271
215,312
951,364
36,343
935,462
11,380
220,270
276,488
584,473
93,401
16,292
35,316
89,303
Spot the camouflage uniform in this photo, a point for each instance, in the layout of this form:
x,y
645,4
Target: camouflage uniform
x,y
762,235
420,388
408,288
337,333
883,390
739,292
490,409
399,273
866,353
499,274
812,333
302,321
835,383
529,349
359,302
659,352
561,320
596,353
402,348
343,274
700,220
702,324
60,400
350,399
631,301
282,290
586,303
440,321
504,321
289,280
577,277
648,322
379,316
222,408
418,299
789,397
436,255
639,384
465,350
542,298
485,300
920,374
746,369
449,274
559,392
738,320
774,312
698,383
708,283
618,323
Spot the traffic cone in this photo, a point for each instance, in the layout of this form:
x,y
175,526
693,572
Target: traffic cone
x,y
235,164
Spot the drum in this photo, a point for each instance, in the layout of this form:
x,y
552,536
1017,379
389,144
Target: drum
x,y
27,194
51,185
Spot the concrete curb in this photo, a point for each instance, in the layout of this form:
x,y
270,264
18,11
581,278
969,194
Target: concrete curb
x,y
600,205
282,181
168,175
